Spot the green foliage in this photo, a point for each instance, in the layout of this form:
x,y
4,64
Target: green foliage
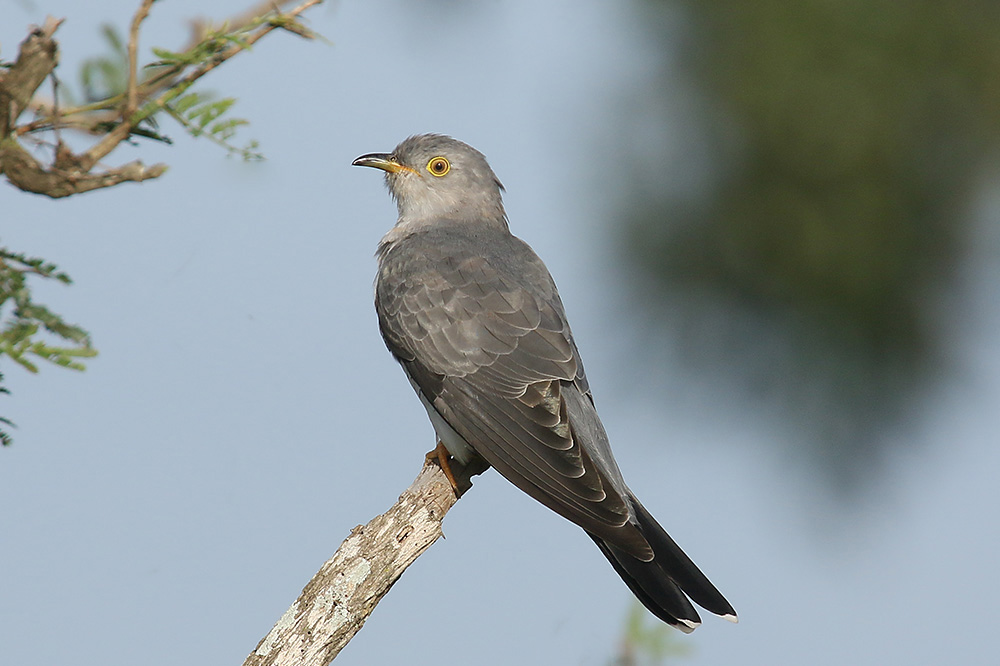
x,y
28,329
824,207
201,115
212,44
105,76
104,79
5,439
647,641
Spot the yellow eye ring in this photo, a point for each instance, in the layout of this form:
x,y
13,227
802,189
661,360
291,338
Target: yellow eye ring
x,y
438,166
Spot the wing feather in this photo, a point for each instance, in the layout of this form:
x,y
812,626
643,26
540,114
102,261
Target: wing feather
x,y
492,352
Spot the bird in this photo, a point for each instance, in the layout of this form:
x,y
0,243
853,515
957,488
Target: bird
x,y
474,318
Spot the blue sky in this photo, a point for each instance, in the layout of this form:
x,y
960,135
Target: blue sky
x,y
243,415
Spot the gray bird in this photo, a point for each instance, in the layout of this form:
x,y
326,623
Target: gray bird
x,y
474,318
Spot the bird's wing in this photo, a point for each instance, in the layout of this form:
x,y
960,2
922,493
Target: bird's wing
x,y
487,342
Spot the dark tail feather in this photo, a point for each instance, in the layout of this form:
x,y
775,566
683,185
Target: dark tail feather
x,y
676,564
652,587
661,584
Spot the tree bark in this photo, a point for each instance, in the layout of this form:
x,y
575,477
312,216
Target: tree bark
x,y
335,604
36,59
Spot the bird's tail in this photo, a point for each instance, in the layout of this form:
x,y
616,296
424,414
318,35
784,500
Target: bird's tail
x,y
665,583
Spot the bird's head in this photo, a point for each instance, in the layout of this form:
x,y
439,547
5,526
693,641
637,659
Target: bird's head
x,y
435,177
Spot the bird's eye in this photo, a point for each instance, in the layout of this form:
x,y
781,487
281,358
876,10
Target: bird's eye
x,y
438,166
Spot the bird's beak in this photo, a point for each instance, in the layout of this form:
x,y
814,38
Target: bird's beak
x,y
385,161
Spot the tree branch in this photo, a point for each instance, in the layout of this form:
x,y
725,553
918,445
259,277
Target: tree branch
x,y
335,604
131,120
28,174
201,27
71,173
133,56
36,59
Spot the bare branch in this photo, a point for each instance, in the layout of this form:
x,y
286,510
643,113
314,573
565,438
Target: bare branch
x,y
133,49
334,605
28,174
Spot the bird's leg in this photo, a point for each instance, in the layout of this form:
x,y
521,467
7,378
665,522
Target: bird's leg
x,y
440,453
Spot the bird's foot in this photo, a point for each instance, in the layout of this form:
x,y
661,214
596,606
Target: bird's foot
x,y
443,458
459,475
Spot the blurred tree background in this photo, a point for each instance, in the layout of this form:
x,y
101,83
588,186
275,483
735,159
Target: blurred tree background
x,y
806,252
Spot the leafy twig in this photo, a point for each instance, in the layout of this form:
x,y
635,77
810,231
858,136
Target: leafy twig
x,y
19,333
117,118
198,116
179,87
